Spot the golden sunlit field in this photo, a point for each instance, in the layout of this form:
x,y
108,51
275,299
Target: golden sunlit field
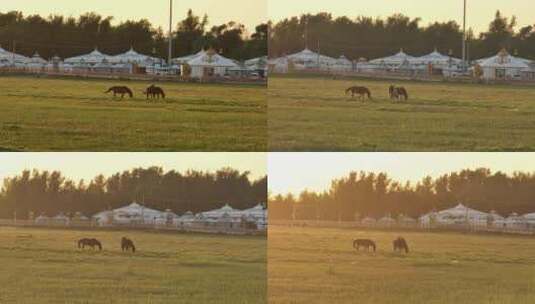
x,y
45,266
314,114
48,114
319,265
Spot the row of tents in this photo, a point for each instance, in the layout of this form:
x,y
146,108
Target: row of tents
x,y
458,216
501,66
203,64
134,214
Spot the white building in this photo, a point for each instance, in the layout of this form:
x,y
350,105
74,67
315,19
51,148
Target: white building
x,y
503,67
210,64
458,215
395,61
133,57
90,59
307,59
438,60
131,214
343,65
9,59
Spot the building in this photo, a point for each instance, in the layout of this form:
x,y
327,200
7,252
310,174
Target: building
x,y
458,215
210,64
503,66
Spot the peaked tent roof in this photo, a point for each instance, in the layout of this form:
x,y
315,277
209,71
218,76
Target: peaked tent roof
x,y
212,59
504,60
12,57
395,59
436,57
131,56
307,55
92,58
186,59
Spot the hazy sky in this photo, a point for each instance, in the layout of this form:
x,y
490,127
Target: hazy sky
x,y
314,171
480,12
88,165
248,12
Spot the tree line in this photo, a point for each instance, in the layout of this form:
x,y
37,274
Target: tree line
x,y
51,193
70,36
370,38
362,194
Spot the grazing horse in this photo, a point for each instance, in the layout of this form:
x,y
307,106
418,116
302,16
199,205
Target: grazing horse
x,y
400,244
154,92
89,242
398,93
127,244
361,92
120,90
364,243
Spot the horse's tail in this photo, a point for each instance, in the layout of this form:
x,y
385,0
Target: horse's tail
x,y
163,94
79,244
99,246
369,94
130,93
373,245
133,248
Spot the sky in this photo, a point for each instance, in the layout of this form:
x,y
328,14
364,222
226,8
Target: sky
x,y
86,166
293,173
248,12
480,12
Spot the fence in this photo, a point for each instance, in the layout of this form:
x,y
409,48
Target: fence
x,y
527,229
88,224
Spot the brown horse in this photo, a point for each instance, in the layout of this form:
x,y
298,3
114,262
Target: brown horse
x,y
398,93
400,244
90,243
120,90
154,92
361,92
364,243
127,244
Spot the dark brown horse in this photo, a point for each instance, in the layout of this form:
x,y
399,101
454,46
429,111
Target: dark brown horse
x,y
90,243
361,92
400,244
398,93
127,244
364,243
154,92
120,90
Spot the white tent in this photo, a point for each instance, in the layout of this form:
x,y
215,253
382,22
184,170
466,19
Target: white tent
x,y
186,59
386,221
278,65
186,220
210,64
307,59
36,63
343,64
258,215
369,221
515,221
131,56
12,58
503,67
92,58
437,60
131,214
395,60
457,215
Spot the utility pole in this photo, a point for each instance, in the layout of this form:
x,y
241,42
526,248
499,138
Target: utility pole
x,y
464,36
170,31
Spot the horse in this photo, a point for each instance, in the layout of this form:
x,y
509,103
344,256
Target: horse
x,y
361,92
89,242
364,243
127,244
120,90
398,93
154,92
400,244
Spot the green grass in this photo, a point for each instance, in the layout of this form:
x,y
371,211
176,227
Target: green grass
x,y
313,114
44,266
74,115
309,265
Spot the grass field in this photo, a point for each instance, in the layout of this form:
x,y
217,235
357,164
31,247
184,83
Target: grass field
x,y
309,265
74,115
43,266
313,114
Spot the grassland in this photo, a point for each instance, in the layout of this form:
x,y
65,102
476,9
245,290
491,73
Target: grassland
x,y
313,114
309,265
43,266
74,115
